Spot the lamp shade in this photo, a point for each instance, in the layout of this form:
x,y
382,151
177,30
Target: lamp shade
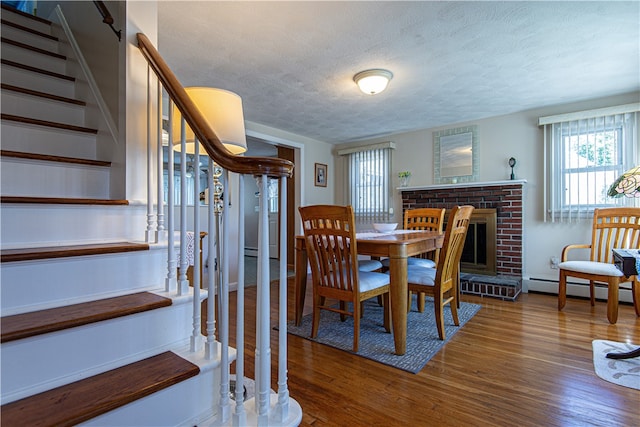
x,y
222,110
373,81
628,184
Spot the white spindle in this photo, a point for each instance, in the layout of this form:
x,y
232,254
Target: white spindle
x,y
223,317
183,287
161,233
196,334
240,416
211,347
263,351
150,234
282,407
170,281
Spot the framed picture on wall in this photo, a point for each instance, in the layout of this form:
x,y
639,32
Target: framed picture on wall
x,y
320,175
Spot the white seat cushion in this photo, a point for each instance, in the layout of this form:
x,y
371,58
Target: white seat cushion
x,y
369,264
413,261
591,267
421,275
371,280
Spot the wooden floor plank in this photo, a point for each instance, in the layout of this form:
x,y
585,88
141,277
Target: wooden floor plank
x,y
519,363
86,399
30,254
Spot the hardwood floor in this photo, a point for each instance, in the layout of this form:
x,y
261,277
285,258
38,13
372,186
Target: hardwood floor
x,y
515,363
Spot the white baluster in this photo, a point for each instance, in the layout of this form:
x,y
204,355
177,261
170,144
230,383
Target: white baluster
x,y
170,281
183,287
150,234
263,350
196,334
161,233
240,416
223,311
211,348
282,407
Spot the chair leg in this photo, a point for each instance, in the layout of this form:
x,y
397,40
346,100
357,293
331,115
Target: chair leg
x,y
612,301
420,297
356,326
316,316
592,292
562,290
343,307
635,291
454,307
439,313
386,307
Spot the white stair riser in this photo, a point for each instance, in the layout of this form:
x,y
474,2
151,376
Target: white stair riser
x,y
29,38
26,22
21,177
22,225
36,364
37,107
45,140
32,285
34,59
184,404
37,81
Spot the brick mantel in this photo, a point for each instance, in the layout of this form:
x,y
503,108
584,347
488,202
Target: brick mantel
x,y
504,196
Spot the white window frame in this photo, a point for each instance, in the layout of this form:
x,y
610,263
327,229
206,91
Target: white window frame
x,y
574,186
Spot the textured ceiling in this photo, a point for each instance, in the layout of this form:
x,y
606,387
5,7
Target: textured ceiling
x,y
293,62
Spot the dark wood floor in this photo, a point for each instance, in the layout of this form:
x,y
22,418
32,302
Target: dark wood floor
x,y
517,363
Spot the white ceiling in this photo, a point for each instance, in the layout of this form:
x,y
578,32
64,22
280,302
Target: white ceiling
x,y
293,62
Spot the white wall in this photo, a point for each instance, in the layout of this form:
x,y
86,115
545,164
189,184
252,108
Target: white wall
x,y
514,135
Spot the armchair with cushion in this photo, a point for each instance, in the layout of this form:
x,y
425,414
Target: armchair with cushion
x,y
330,239
612,228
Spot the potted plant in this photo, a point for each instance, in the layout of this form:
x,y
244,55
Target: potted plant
x,y
404,178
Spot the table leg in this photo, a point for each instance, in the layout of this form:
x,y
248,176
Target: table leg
x,y
398,294
300,279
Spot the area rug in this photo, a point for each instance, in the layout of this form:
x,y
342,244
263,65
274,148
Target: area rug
x,y
376,344
624,372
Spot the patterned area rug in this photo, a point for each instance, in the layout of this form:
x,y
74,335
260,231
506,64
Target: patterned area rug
x,y
375,344
624,372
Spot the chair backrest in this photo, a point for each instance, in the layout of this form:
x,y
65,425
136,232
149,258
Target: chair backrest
x,y
424,219
454,237
330,238
614,228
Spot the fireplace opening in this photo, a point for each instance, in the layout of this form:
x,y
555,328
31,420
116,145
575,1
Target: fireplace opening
x,y
479,252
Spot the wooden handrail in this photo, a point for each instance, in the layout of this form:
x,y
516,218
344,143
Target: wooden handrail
x,y
270,166
107,18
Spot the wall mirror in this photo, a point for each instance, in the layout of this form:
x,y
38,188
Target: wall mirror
x,y
455,154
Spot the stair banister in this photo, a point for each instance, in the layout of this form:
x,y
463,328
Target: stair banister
x,y
268,409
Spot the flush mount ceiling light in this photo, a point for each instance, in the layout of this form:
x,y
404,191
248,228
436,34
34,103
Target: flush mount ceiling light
x,y
373,81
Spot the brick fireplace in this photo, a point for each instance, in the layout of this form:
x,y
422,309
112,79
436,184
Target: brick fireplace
x,y
506,197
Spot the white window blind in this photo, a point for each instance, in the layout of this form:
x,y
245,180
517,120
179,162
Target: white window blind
x,y
585,153
369,185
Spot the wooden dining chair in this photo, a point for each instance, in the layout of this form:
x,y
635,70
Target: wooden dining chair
x,y
441,282
330,239
428,219
612,228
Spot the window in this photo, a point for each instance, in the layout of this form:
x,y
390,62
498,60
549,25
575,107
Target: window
x,y
584,154
369,174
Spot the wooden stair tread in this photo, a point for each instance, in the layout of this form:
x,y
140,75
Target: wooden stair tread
x,y
20,326
42,94
25,14
51,158
32,48
62,201
85,399
28,254
37,70
47,123
28,30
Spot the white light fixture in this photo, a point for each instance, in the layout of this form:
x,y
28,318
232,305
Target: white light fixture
x,y
223,111
373,81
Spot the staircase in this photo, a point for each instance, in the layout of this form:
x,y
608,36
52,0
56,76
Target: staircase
x,y
89,334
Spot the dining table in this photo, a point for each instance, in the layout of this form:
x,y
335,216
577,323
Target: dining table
x,y
396,245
